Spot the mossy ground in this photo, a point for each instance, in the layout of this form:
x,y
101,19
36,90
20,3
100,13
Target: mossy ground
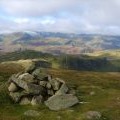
x,y
99,90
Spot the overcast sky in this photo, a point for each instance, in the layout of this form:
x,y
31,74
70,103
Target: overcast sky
x,y
74,16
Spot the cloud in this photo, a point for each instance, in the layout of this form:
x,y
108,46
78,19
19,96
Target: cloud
x,y
79,16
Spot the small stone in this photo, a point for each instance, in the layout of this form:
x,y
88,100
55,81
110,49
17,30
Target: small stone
x,y
93,115
32,113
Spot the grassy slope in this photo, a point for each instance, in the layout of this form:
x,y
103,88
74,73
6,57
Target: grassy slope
x,y
106,98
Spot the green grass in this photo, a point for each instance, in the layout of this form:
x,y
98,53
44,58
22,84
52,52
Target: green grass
x,y
106,98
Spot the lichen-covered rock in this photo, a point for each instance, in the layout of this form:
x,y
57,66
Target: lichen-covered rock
x,y
12,87
59,102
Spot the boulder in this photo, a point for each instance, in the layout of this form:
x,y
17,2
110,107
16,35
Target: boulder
x,y
12,87
63,90
59,102
40,74
36,89
27,77
21,83
36,100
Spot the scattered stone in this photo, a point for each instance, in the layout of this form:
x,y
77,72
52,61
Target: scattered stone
x,y
93,115
32,113
59,102
12,87
35,86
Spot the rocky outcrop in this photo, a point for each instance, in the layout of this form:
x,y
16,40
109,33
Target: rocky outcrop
x,y
35,86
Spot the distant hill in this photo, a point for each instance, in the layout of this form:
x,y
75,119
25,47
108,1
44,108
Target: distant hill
x,y
73,62
58,43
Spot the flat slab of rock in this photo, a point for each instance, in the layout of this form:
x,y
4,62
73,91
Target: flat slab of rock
x,y
59,102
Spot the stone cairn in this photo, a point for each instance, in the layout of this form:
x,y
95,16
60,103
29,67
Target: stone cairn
x,y
34,86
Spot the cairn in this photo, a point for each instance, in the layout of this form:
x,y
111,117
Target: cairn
x,y
34,86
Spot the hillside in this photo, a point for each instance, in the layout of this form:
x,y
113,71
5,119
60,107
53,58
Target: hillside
x,y
58,43
96,92
74,62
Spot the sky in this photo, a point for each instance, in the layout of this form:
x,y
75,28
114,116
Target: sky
x,y
68,16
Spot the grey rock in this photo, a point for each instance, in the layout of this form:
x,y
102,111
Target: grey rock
x,y
63,90
50,92
92,115
27,77
25,101
20,83
55,84
12,87
36,89
40,74
48,85
59,102
43,83
16,96
32,113
36,100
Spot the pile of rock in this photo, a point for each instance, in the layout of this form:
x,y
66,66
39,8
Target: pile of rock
x,y
35,86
